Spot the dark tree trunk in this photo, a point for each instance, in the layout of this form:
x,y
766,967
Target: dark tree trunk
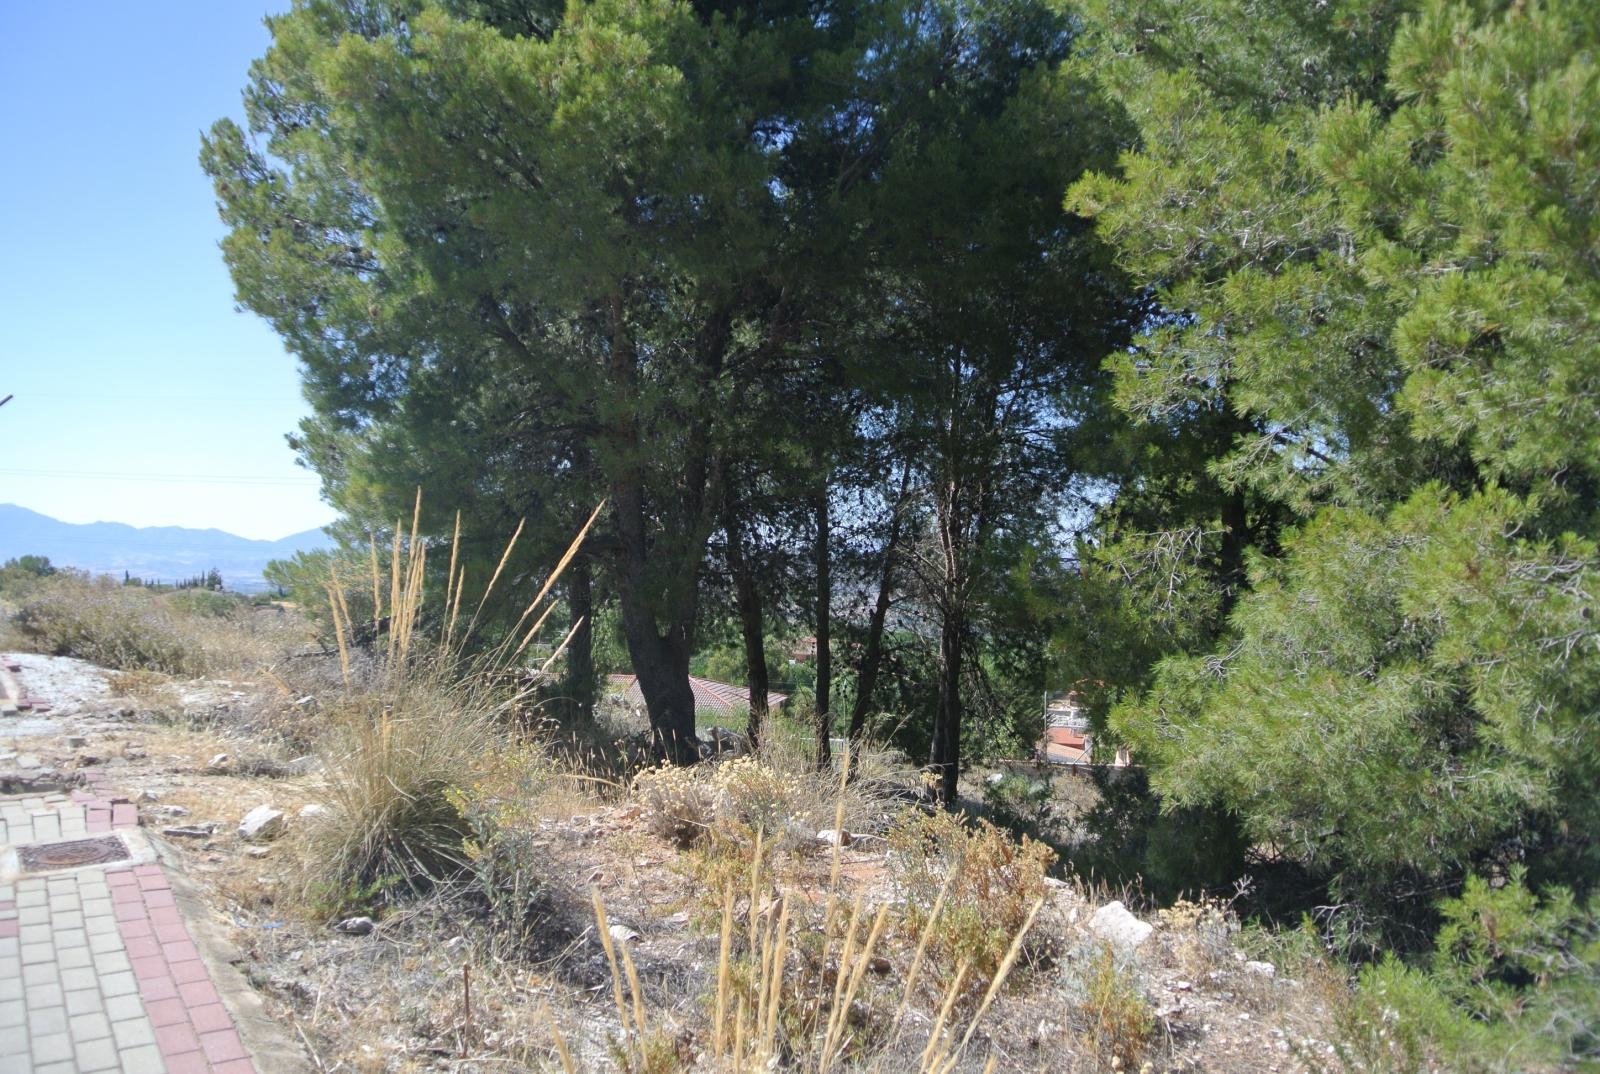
x,y
660,658
871,661
824,615
1235,538
751,620
661,662
947,714
872,654
579,687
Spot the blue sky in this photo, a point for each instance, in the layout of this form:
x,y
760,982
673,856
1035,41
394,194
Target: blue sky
x,y
141,395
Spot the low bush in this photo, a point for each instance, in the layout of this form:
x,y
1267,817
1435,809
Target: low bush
x,y
1199,935
969,887
131,628
109,625
736,799
1024,805
1111,1008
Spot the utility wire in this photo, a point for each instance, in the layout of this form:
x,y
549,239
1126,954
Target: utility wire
x,y
163,478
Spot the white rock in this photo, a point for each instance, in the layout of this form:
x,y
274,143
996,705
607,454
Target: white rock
x,y
623,934
312,811
262,822
1265,969
1113,923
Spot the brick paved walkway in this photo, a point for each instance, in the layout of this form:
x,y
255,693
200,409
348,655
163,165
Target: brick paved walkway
x,y
98,971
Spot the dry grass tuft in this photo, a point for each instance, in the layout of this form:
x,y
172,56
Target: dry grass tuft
x,y
413,728
392,762
804,975
1115,1017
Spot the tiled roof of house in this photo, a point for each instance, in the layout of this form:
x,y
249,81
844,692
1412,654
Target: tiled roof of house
x,y
717,698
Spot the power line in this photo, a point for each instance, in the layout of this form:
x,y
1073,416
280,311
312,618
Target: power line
x,y
163,398
164,478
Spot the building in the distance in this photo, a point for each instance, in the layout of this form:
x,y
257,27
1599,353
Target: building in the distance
x,y
1067,739
715,703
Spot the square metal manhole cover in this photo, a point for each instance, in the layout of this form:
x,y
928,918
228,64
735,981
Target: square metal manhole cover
x,y
43,857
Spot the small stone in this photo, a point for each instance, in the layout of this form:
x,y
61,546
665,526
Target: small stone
x,y
834,838
258,852
187,831
1115,924
76,742
171,810
312,811
1265,969
88,760
262,822
150,796
355,926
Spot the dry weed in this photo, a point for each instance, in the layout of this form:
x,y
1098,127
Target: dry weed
x,y
988,883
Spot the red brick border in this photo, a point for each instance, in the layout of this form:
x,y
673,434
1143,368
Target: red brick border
x,y
102,810
193,1029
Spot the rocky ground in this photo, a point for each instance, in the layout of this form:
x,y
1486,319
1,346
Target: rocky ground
x,y
433,986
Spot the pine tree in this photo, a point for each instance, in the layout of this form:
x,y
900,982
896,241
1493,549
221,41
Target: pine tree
x,y
1384,302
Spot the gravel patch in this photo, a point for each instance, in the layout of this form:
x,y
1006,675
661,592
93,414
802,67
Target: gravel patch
x,y
68,685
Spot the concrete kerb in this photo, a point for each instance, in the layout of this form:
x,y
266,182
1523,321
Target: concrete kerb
x,y
10,693
263,1037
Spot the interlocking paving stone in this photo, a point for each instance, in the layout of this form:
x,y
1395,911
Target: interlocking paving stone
x,y
98,972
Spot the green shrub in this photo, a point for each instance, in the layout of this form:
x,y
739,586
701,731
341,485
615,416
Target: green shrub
x,y
107,624
1131,836
204,604
1024,805
19,574
1513,984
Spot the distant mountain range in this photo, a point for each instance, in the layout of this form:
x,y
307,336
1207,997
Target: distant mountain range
x,y
155,553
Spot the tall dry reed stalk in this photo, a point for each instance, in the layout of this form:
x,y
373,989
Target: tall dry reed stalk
x,y
759,994
400,744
